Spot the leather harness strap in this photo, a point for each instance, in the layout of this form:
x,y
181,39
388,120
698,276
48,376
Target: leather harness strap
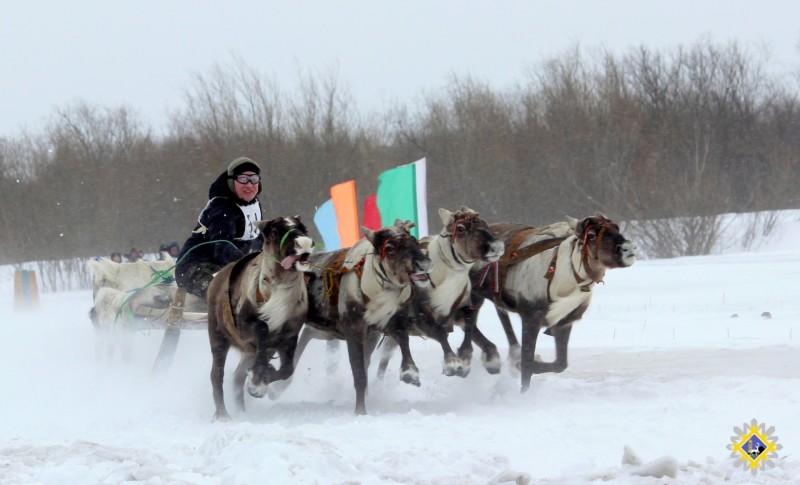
x,y
592,275
332,279
514,254
228,320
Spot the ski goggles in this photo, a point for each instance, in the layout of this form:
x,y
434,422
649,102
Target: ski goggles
x,y
244,179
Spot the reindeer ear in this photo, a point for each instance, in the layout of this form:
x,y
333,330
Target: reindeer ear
x,y
583,224
369,234
573,223
406,226
446,216
261,225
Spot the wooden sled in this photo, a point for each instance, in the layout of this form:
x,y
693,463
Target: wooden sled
x,y
176,321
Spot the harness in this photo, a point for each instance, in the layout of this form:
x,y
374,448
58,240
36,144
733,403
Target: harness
x,y
514,254
592,275
227,308
332,280
469,219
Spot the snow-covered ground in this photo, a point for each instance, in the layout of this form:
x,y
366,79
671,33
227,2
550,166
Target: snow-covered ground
x,y
670,357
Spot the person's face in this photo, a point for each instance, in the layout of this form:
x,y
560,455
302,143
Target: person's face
x,y
174,252
116,258
246,191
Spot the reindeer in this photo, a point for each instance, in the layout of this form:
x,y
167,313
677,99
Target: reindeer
x,y
465,239
547,276
115,311
258,304
123,294
355,292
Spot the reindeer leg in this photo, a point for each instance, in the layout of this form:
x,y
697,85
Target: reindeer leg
x,y
239,378
219,352
514,349
370,344
331,356
467,315
286,353
561,334
409,373
452,364
530,332
306,334
355,350
491,357
389,346
262,372
275,389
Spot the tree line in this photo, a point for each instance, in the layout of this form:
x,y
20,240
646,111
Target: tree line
x,y
664,140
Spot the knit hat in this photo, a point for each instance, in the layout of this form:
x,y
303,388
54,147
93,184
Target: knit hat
x,y
240,165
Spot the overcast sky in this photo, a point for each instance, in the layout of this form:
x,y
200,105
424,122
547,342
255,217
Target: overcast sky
x,y
142,53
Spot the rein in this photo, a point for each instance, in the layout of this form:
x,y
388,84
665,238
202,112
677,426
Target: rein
x,y
283,240
161,278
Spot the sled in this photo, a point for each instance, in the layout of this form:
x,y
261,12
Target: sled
x,y
176,321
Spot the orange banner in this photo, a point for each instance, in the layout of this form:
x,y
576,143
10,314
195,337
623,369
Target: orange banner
x,y
344,203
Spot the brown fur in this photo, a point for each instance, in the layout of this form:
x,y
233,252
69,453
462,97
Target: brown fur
x,y
551,289
435,309
258,305
355,301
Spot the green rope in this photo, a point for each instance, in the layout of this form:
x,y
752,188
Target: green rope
x,y
283,240
160,277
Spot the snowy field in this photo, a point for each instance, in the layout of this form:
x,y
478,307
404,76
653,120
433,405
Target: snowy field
x,y
659,364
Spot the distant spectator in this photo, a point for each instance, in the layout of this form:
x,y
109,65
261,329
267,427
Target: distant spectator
x,y
174,249
116,257
133,255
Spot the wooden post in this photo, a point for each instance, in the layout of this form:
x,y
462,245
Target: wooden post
x,y
26,292
172,334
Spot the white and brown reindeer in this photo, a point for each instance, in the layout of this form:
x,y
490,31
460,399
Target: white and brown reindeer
x,y
355,292
258,305
435,309
125,296
546,276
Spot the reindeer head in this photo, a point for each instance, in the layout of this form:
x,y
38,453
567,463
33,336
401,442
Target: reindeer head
x,y
470,236
600,239
399,253
286,239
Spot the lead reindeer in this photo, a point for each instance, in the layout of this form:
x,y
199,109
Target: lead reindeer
x,y
258,304
465,239
547,276
355,292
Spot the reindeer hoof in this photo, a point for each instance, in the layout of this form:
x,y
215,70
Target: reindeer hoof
x,y
222,416
492,364
410,376
452,368
257,391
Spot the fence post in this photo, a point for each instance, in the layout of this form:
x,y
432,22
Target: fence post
x,y
26,292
